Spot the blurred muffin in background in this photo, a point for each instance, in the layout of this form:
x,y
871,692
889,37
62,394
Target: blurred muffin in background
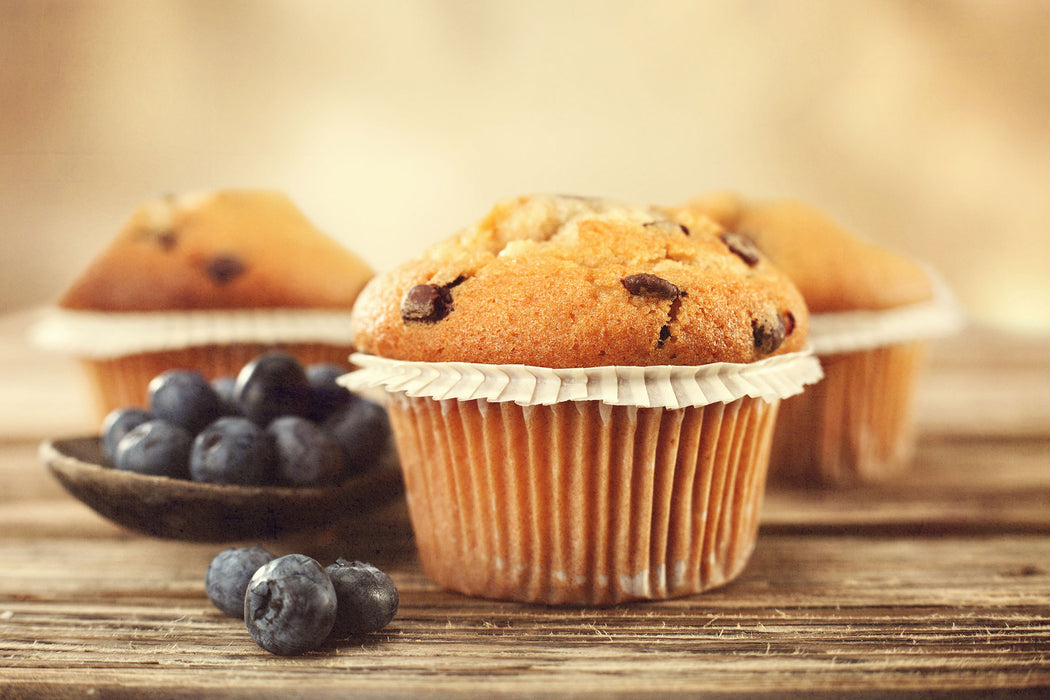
x,y
873,313
205,281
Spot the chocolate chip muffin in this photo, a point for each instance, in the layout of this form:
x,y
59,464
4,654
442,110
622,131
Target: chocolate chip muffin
x,y
206,281
576,282
874,312
583,394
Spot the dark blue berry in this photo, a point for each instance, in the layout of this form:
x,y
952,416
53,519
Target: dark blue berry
x,y
305,454
118,423
228,575
290,605
184,397
367,598
232,450
157,448
224,387
327,394
273,384
362,430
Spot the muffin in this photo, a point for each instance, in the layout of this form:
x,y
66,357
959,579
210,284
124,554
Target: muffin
x,y
873,314
582,394
206,281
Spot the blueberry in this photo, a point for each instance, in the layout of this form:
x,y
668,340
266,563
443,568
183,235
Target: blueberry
x,y
362,430
118,423
224,386
327,394
232,450
290,605
306,455
273,384
228,574
156,447
184,397
367,598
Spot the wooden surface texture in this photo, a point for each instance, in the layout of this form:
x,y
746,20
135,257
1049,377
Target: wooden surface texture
x,y
936,586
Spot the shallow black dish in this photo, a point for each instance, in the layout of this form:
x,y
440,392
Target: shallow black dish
x,y
187,510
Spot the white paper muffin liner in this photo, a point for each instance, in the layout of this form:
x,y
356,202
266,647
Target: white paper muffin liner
x,y
97,335
583,486
851,331
857,425
661,386
579,502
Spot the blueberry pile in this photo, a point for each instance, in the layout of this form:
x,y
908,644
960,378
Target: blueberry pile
x,y
275,423
291,605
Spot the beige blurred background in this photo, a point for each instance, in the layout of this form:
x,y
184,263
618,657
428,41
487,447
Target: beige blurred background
x,y
921,124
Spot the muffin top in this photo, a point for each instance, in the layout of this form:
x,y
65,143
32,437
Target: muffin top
x,y
229,249
559,281
834,269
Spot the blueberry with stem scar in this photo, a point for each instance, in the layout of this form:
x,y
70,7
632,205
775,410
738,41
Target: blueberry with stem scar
x,y
156,448
290,605
232,450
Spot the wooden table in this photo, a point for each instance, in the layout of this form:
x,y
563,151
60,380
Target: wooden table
x,y
939,585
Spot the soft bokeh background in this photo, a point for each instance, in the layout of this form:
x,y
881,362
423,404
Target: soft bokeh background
x,y
921,124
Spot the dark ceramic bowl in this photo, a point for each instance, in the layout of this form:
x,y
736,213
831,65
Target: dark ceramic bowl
x,y
188,510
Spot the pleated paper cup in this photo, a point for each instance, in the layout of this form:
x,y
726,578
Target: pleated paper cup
x,y
584,486
857,425
121,352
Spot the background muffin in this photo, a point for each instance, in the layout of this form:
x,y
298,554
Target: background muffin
x,y
206,281
583,395
873,313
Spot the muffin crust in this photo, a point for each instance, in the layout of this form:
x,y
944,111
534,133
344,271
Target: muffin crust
x,y
559,281
229,249
834,269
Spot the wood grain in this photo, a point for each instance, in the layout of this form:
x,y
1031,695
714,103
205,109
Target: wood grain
x,y
935,586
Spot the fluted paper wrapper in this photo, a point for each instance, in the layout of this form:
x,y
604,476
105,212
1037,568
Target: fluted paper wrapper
x,y
122,352
583,501
857,426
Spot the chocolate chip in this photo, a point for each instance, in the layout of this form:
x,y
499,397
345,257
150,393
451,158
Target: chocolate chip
x,y
742,246
665,335
166,239
223,268
768,333
427,303
681,227
647,285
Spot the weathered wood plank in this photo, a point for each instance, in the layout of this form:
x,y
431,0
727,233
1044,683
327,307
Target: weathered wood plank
x,y
810,613
934,586
957,485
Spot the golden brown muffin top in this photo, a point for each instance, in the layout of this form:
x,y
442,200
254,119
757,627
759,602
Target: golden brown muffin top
x,y
556,281
834,269
230,249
